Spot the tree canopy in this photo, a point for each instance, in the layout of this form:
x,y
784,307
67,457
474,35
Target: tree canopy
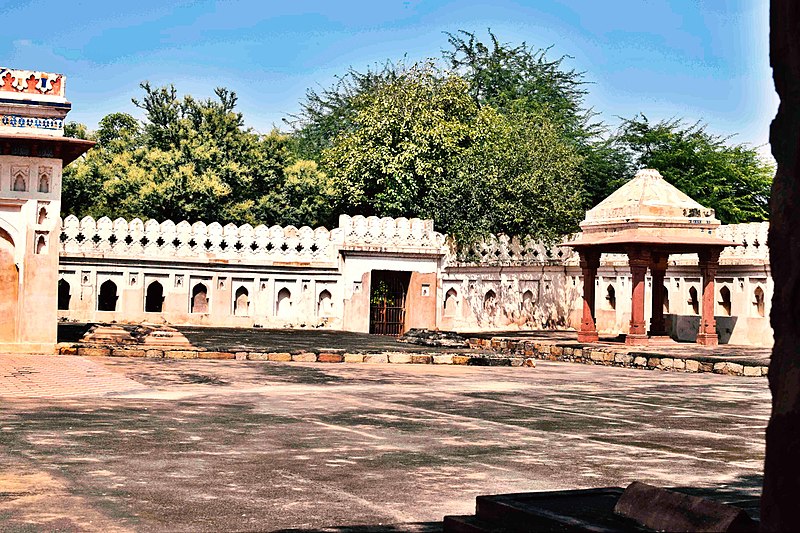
x,y
488,138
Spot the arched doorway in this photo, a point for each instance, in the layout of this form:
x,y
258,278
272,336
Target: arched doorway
x,y
9,289
154,299
388,302
107,299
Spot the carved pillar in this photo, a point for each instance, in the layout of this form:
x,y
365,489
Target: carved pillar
x,y
709,261
658,269
638,260
590,261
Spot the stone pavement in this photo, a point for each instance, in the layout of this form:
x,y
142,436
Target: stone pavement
x,y
248,445
56,376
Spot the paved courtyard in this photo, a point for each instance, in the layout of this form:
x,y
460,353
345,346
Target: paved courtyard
x,y
111,444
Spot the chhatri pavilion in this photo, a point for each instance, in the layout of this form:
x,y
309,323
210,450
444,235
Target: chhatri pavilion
x,y
648,219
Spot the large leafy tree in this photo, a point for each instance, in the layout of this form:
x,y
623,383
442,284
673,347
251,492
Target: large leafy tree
x,y
190,160
730,178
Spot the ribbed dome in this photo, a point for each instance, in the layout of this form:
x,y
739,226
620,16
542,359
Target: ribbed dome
x,y
648,198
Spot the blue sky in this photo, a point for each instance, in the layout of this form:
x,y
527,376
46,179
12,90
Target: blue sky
x,y
698,60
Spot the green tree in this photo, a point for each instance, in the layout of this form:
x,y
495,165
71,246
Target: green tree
x,y
731,179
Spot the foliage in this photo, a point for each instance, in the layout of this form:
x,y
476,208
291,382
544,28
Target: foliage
x,y
731,179
192,160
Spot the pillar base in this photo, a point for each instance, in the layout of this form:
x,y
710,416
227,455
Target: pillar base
x,y
588,336
707,339
632,339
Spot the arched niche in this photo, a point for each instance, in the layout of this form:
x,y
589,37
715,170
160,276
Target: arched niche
x,y
450,302
154,298
694,303
758,302
611,297
325,303
199,303
725,301
64,294
489,300
283,305
241,302
9,288
107,297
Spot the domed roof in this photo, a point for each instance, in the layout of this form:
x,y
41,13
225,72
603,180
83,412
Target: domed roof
x,y
648,209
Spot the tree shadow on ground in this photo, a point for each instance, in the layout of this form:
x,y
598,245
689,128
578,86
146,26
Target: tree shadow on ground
x,y
411,527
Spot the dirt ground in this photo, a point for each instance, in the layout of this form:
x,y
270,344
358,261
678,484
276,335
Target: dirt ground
x,y
110,444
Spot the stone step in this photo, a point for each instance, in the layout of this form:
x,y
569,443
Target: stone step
x,y
468,524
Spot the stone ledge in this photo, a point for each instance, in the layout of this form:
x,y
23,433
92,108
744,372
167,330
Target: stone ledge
x,y
613,356
328,356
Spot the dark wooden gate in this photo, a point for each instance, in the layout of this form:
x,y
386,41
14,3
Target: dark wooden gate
x,y
387,302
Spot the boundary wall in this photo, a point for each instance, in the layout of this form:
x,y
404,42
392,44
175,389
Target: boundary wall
x,y
301,277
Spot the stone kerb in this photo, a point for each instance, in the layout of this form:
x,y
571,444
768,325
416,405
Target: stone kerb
x,y
153,240
392,234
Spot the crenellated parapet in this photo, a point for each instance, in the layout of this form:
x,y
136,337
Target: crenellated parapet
x,y
502,250
752,237
184,241
390,234
30,82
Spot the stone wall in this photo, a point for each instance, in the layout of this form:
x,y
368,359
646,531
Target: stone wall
x,y
303,277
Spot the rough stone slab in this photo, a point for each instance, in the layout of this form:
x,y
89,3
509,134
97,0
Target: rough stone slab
x,y
181,354
529,362
154,353
653,362
692,365
596,355
305,357
282,357
679,364
460,359
68,350
241,356
556,350
117,352
623,358
216,355
640,361
399,358
376,358
517,361
444,359
328,357
666,362
421,359
259,356
764,370
665,510
94,351
353,358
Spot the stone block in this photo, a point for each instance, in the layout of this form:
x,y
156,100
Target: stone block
x,y
282,357
259,356
122,352
399,358
666,362
443,359
752,371
596,355
608,357
556,350
660,509
154,353
241,356
376,358
639,361
529,362
102,352
353,357
577,353
706,367
764,370
567,350
623,358
517,361
678,364
460,359
544,349
216,355
68,350
181,354
653,362
692,365
305,357
328,357
421,359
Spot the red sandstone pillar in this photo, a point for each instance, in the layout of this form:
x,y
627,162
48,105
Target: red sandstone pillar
x,y
709,261
638,260
658,268
590,261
